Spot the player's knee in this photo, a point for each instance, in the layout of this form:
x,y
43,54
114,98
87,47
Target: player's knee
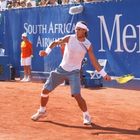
x,y
77,96
45,93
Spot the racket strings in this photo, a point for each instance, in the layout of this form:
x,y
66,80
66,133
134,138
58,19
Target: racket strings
x,y
125,79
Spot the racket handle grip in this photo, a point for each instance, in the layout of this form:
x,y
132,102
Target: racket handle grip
x,y
113,78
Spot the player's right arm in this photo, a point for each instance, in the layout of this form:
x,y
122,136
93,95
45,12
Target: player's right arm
x,y
53,44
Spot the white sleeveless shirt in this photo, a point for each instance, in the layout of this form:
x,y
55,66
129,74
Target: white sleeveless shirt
x,y
74,53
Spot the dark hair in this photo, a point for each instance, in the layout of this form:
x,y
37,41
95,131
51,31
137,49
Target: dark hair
x,y
83,22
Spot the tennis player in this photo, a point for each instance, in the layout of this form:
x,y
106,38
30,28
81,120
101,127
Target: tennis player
x,y
77,45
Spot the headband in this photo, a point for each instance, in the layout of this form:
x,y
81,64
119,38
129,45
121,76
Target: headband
x,y
81,25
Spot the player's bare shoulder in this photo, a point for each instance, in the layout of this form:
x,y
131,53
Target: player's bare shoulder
x,y
65,39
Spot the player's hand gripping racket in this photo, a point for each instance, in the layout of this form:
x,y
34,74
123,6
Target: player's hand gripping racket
x,y
123,79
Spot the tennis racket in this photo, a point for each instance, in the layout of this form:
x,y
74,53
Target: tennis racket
x,y
123,79
74,10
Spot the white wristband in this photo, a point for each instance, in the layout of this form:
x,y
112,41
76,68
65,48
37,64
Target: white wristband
x,y
102,73
48,50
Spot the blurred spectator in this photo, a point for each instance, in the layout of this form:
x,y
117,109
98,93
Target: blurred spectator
x,y
22,3
52,3
78,1
15,4
65,2
29,4
33,3
75,1
96,0
43,3
3,5
9,4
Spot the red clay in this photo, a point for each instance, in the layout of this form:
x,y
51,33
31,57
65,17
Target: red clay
x,y
115,114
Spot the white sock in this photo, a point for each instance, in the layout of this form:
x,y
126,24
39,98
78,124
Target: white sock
x,y
25,76
85,113
42,109
29,76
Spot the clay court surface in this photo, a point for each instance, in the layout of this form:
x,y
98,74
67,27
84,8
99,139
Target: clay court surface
x,y
115,114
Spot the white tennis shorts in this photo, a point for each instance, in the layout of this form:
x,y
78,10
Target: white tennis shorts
x,y
26,61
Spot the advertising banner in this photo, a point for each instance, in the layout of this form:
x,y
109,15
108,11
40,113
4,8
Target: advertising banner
x,y
114,30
